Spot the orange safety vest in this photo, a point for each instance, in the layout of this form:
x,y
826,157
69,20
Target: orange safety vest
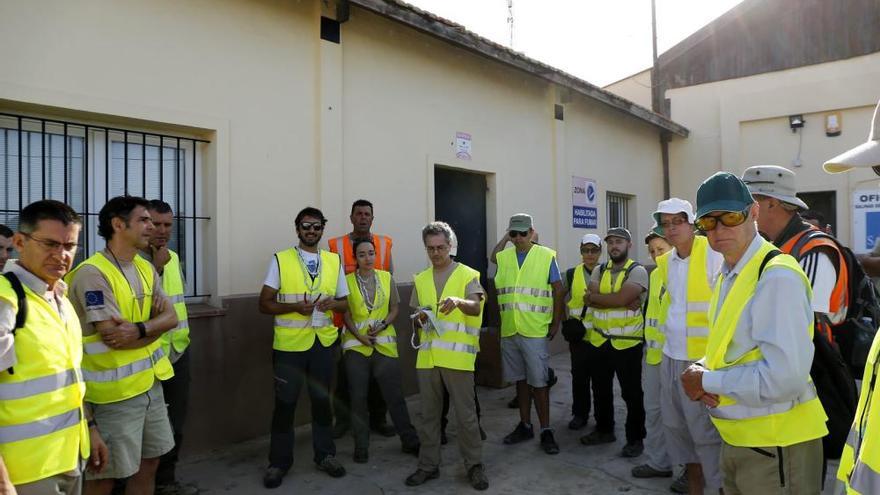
x,y
382,243
798,245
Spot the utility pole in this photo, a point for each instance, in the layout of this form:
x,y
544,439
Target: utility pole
x,y
657,102
510,20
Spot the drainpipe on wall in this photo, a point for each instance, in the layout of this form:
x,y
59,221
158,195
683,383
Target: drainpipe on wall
x,y
656,102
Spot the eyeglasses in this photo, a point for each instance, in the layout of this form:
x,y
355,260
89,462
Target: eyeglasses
x,y
50,245
593,250
729,219
516,233
674,222
436,249
315,226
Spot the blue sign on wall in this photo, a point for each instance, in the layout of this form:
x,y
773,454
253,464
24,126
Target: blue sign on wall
x,y
872,228
584,217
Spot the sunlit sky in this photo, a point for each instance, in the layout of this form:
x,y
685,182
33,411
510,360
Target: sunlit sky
x,y
600,41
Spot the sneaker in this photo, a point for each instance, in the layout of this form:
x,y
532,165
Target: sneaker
x,y
548,443
384,429
577,423
339,430
176,488
551,377
420,477
361,456
680,485
597,437
646,471
632,449
477,476
521,433
273,477
331,466
514,403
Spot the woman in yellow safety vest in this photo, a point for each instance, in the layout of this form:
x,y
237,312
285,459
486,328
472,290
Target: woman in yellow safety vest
x,y
369,346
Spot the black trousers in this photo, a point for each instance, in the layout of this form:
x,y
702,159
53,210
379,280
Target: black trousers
x,y
314,368
627,365
176,391
581,377
376,406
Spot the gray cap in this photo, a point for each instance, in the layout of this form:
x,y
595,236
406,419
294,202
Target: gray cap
x,y
773,181
618,232
521,222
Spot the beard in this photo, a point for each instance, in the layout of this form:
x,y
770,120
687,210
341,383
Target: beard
x,y
306,242
619,258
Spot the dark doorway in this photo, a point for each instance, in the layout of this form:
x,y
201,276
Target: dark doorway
x,y
824,203
460,201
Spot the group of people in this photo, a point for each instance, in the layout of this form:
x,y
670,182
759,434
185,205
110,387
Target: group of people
x,y
94,360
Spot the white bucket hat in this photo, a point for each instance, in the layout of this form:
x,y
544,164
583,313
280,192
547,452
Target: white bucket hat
x,y
773,181
674,206
864,155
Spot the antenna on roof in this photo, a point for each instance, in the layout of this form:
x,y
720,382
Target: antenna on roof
x,y
510,20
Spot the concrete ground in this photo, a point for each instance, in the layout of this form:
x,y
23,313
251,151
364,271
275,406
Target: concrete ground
x,y
517,469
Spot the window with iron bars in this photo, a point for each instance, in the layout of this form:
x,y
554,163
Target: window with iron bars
x,y
84,165
618,210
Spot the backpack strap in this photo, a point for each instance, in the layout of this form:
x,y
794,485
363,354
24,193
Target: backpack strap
x,y
769,256
21,315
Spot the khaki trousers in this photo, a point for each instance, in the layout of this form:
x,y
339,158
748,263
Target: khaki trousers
x,y
460,385
796,469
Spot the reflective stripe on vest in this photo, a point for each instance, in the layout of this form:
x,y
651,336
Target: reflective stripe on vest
x,y
860,460
455,343
575,302
779,424
525,297
385,341
624,327
172,284
42,429
295,332
654,338
106,370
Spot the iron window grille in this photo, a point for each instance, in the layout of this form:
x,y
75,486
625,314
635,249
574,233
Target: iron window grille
x,y
84,165
618,210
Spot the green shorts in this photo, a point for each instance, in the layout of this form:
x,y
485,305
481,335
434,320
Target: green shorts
x,y
133,429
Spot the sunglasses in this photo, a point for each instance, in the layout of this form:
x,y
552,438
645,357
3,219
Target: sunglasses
x,y
316,226
594,250
729,219
515,233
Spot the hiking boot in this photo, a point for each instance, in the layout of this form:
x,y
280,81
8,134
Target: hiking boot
x,y
514,403
384,429
577,423
680,485
339,430
420,477
521,433
646,471
548,443
360,456
331,466
632,449
477,476
273,477
597,437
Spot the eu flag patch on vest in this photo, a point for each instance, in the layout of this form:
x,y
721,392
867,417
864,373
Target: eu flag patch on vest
x,y
94,299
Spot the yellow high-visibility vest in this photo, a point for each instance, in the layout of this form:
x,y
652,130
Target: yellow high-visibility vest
x,y
43,431
860,461
625,327
771,425
698,294
172,284
386,340
576,303
655,313
456,341
525,296
113,375
295,332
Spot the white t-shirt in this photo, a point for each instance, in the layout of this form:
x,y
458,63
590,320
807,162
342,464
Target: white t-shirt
x,y
312,261
820,272
675,328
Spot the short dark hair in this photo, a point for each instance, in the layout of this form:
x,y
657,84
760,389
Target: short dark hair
x,y
6,231
813,215
159,206
46,209
118,207
358,241
309,211
361,202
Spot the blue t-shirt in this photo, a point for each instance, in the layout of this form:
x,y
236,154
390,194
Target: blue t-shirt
x,y
554,268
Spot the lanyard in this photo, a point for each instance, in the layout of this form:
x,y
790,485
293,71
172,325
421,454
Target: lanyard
x,y
313,284
379,296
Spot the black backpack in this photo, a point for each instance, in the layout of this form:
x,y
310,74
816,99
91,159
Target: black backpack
x,y
834,385
856,333
21,315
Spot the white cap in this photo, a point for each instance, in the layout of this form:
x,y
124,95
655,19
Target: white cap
x,y
673,206
591,239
